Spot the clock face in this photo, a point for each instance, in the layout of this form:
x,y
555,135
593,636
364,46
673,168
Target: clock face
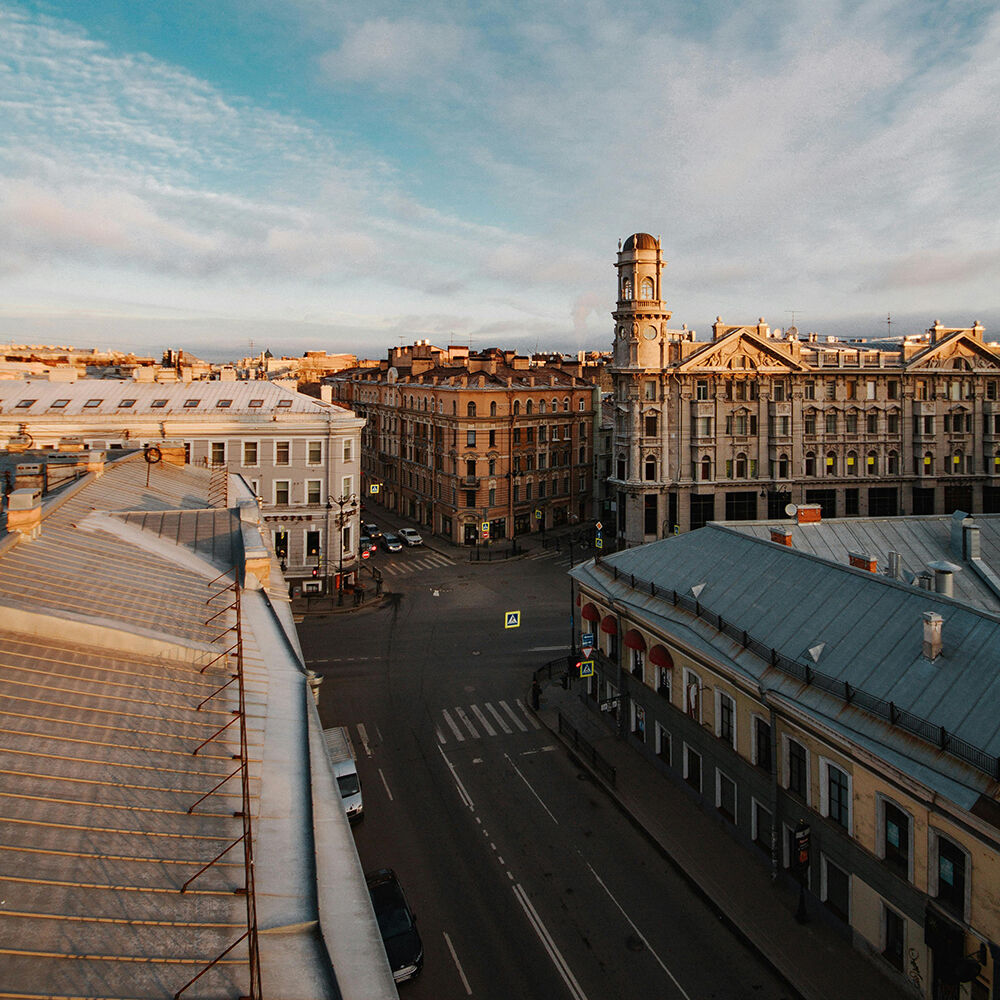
x,y
650,333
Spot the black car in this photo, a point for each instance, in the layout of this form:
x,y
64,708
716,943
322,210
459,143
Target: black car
x,y
396,923
372,530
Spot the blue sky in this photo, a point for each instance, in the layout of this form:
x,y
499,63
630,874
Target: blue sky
x,y
312,174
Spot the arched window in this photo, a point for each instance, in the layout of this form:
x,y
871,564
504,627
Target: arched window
x,y
706,468
555,405
810,463
565,404
627,289
493,408
541,406
649,469
782,466
871,464
529,407
470,410
831,463
517,407
646,288
741,466
892,464
852,463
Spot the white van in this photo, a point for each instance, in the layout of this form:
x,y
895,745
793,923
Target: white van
x,y
345,769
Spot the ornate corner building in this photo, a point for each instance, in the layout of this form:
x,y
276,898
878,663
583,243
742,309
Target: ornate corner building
x,y
740,426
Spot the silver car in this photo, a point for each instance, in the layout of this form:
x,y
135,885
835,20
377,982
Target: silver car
x,y
411,536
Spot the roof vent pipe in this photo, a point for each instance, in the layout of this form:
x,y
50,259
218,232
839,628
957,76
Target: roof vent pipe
x,y
944,576
924,581
893,570
933,623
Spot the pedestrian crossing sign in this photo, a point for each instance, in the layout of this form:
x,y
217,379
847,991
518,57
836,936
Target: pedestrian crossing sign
x,y
373,488
512,619
586,668
598,542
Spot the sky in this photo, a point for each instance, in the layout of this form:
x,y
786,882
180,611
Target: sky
x,y
234,175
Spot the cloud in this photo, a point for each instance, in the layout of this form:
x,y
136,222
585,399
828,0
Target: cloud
x,y
389,53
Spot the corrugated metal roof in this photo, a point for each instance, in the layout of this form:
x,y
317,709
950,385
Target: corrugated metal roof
x,y
871,629
105,396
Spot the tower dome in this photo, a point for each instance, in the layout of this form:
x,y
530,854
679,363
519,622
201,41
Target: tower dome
x,y
641,241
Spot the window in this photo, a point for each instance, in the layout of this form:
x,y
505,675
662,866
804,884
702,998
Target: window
x,y
810,463
347,486
701,389
892,422
646,288
831,421
893,937
871,421
809,423
470,439
649,471
651,425
810,389
158,404
284,404
256,404
314,453
90,404
649,390
314,491
835,794
126,404
662,745
871,464
762,743
348,450
470,498
638,722
692,768
835,890
894,837
223,404
190,404
950,874
470,410
703,426
249,452
851,422
218,452
725,796
692,695
281,492
797,769
282,450
893,388
281,544
725,718
312,545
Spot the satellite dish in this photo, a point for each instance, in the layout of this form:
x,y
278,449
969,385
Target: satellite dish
x,y
791,509
792,331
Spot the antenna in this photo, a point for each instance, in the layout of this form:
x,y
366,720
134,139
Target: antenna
x,y
792,312
888,322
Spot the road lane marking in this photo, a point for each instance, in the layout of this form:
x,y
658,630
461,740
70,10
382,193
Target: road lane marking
x,y
490,731
466,798
517,722
458,964
530,789
386,783
639,934
498,717
546,649
363,736
468,725
458,732
550,946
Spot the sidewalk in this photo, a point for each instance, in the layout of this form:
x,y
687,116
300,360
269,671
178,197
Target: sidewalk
x,y
813,958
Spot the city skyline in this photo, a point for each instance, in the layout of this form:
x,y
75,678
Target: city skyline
x,y
287,174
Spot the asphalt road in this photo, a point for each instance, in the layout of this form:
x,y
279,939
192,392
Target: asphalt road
x,y
526,879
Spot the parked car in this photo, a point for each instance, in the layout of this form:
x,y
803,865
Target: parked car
x,y
365,544
372,530
396,923
411,536
391,542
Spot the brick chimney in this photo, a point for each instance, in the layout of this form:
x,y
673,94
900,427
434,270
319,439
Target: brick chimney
x,y
782,536
859,560
809,513
24,512
933,623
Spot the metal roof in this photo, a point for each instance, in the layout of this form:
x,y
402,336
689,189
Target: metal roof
x,y
870,629
101,397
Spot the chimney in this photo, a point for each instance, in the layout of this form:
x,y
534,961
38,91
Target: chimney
x,y
95,463
29,476
944,576
932,635
24,512
809,513
782,536
893,571
859,560
326,393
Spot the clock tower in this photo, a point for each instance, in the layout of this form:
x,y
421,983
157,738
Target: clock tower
x,y
640,315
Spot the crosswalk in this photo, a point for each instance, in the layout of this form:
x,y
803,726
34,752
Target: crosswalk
x,y
473,722
429,560
554,555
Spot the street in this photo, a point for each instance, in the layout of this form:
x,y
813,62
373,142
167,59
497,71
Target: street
x,y
526,879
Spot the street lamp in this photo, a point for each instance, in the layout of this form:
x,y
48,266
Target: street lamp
x,y
342,517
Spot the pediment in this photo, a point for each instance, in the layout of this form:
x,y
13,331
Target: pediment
x,y
959,352
742,352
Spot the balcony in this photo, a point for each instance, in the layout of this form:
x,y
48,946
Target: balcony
x,y
469,482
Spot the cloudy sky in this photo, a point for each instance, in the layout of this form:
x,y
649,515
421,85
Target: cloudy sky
x,y
316,174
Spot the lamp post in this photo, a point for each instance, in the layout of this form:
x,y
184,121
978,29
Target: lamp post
x,y
342,517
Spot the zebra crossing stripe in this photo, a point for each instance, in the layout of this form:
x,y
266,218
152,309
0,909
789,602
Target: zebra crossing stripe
x,y
468,725
490,731
452,726
499,718
517,722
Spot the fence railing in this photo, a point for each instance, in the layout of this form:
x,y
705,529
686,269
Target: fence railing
x,y
585,749
912,723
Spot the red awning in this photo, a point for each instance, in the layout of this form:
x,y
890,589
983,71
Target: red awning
x,y
633,640
609,624
661,657
590,613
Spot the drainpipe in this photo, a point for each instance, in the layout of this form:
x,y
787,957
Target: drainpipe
x,y
772,721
